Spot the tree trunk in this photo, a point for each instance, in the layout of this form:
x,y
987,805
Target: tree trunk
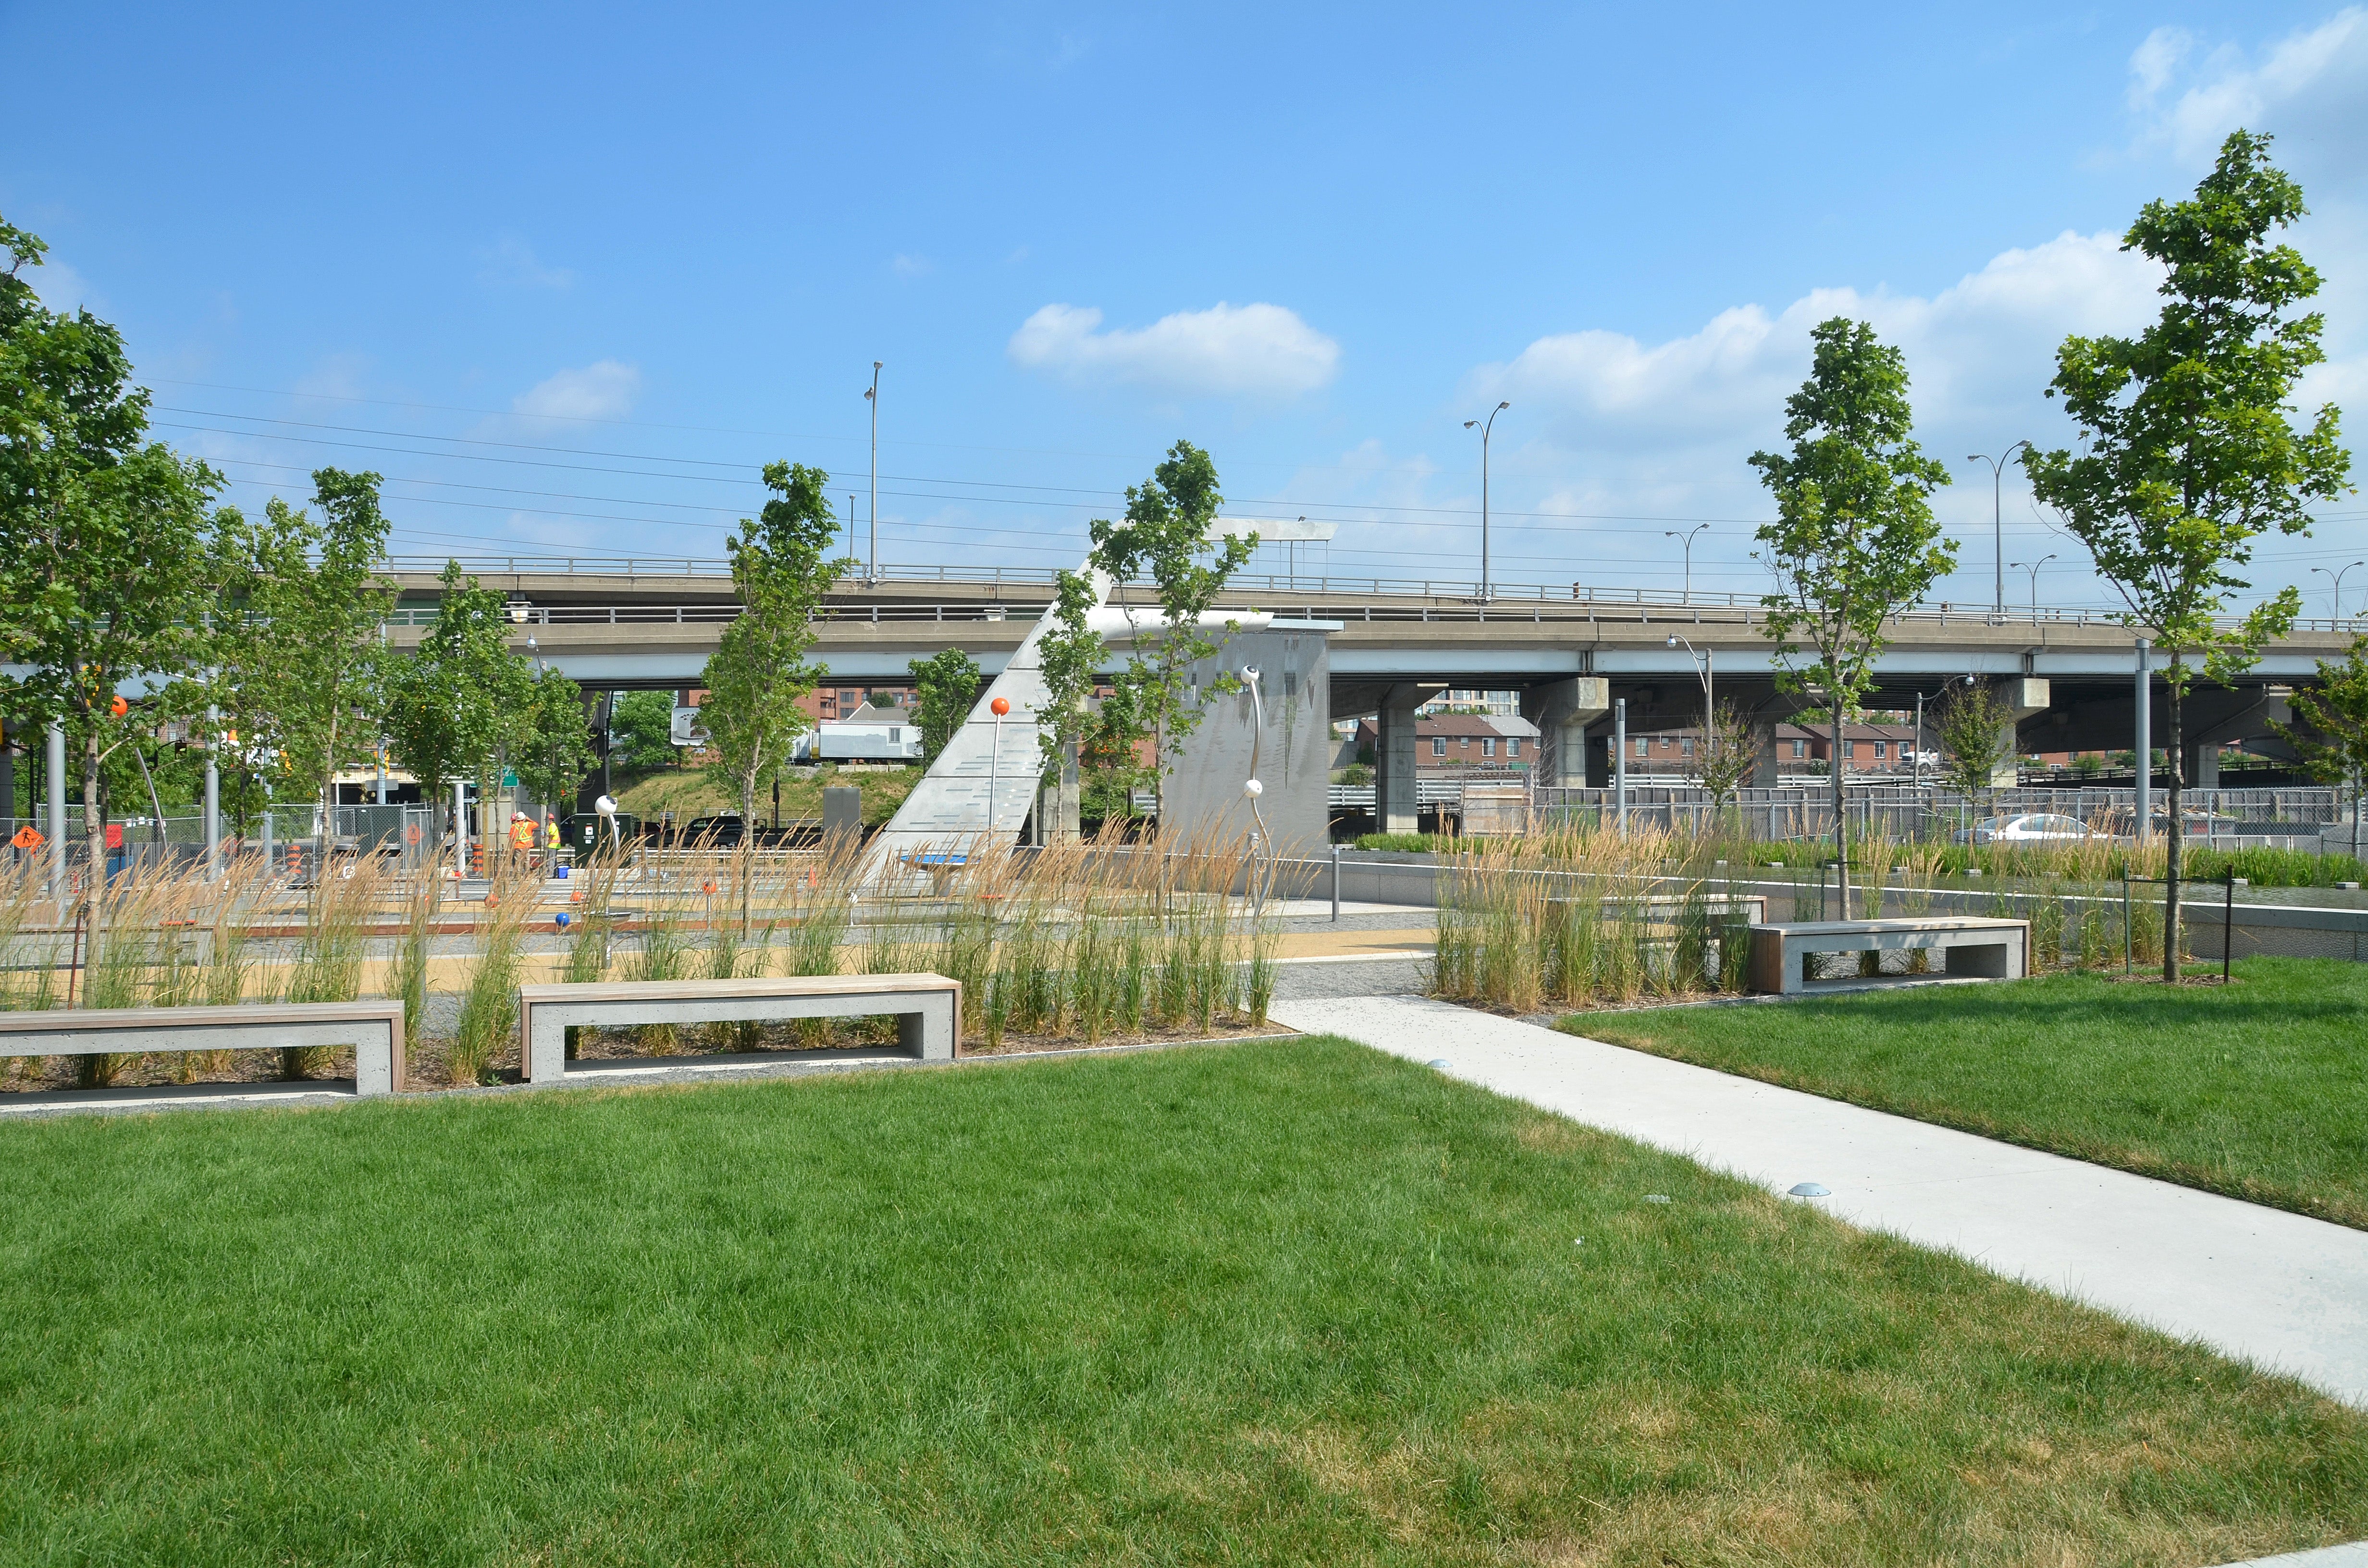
x,y
748,844
93,833
2172,705
1841,821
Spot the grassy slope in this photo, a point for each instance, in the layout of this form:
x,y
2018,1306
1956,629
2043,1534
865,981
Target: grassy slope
x,y
1271,1303
2256,1091
696,791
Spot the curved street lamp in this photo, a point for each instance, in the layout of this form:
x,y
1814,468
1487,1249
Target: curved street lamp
x,y
2335,604
1687,539
1486,593
2032,567
1998,511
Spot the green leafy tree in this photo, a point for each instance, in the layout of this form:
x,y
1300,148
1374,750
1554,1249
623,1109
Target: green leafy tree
x,y
2187,454
1165,537
780,569
1970,723
555,746
2331,732
459,698
946,689
298,650
1727,755
1855,542
642,723
1070,657
101,536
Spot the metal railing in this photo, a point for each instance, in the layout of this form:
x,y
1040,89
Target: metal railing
x,y
1441,600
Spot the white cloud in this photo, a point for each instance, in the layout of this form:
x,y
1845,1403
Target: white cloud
x,y
2310,86
911,266
603,391
1262,351
512,263
1986,342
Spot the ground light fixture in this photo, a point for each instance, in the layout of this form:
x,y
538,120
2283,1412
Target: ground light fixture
x,y
1260,841
999,707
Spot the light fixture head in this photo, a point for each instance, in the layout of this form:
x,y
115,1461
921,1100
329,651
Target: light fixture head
x,y
1502,406
1472,425
1673,640
1252,788
878,363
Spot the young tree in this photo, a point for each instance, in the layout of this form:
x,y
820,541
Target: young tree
x,y
2332,734
1166,535
298,650
459,698
101,536
554,744
1970,723
1070,658
947,685
1728,754
1855,541
2187,453
780,569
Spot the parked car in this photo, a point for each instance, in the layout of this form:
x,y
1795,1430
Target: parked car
x,y
721,832
2030,827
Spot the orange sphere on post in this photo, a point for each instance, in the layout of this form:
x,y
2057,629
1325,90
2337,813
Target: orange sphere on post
x,y
999,707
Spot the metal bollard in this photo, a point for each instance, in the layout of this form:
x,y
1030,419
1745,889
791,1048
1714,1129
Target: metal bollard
x,y
1336,881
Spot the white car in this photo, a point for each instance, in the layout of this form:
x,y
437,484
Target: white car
x,y
2033,827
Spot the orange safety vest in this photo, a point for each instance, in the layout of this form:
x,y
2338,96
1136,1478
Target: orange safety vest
x,y
522,835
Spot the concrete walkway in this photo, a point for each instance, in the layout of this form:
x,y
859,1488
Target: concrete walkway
x,y
2262,1285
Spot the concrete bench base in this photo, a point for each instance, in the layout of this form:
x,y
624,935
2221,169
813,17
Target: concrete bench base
x,y
373,1028
927,1009
1971,947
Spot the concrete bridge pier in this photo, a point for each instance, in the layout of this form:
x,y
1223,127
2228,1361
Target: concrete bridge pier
x,y
1562,710
2025,697
1395,798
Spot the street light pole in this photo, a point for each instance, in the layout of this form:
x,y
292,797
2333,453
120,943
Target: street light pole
x,y
871,396
2335,606
1486,431
1998,512
1687,539
2032,567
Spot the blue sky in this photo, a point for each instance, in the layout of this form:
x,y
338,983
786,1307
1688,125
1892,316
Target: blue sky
x,y
567,277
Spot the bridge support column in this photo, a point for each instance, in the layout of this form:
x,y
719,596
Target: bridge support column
x,y
1765,763
1395,800
2202,768
2022,697
1562,711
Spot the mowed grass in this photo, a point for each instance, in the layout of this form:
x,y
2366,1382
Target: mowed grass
x,y
2259,1091
1281,1302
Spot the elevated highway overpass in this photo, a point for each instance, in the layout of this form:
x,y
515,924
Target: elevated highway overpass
x,y
2069,674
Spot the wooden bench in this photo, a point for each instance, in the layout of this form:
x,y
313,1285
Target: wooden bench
x,y
927,1009
373,1028
1971,946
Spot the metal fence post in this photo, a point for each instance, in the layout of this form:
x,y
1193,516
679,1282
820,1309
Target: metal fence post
x,y
1336,881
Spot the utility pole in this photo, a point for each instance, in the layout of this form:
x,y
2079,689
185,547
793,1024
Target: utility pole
x,y
1486,593
873,397
2145,825
1998,514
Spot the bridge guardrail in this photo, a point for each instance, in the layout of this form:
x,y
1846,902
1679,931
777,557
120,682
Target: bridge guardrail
x,y
1440,600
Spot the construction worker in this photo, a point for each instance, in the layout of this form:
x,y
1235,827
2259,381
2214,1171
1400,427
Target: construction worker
x,y
550,843
521,837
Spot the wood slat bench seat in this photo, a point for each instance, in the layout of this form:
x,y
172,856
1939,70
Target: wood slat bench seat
x,y
927,1009
1972,946
373,1028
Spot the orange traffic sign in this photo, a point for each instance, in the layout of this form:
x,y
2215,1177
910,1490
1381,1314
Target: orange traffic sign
x,y
411,833
27,837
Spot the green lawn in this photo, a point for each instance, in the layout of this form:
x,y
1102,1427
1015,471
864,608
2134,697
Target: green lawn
x,y
2259,1091
1288,1302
